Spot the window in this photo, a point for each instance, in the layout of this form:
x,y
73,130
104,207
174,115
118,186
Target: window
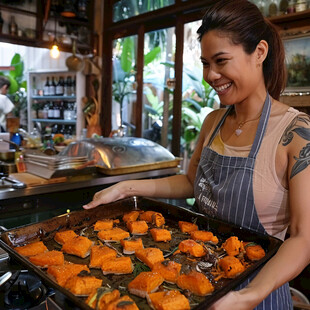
x,y
157,80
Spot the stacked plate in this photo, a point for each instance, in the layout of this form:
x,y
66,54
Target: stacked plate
x,y
57,166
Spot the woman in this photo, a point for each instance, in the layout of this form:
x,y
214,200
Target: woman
x,y
250,166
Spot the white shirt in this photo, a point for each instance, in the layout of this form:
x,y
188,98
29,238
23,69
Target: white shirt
x,y
6,106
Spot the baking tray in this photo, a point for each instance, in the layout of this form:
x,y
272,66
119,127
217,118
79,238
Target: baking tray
x,y
139,168
84,219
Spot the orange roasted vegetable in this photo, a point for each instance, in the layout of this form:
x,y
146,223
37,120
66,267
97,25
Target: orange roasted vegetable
x,y
204,236
233,246
150,256
79,246
145,283
254,252
187,227
195,282
114,234
48,258
168,300
231,266
62,236
102,298
103,224
100,253
117,265
31,249
137,227
130,246
160,234
192,247
169,270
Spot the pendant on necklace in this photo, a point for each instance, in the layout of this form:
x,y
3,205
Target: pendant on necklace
x,y
238,132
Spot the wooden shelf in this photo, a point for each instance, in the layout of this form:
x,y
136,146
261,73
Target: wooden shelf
x,y
292,20
16,10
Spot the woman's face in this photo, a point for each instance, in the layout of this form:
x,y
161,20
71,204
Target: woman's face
x,y
233,73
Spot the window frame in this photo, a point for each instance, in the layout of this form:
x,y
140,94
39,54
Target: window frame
x,y
176,15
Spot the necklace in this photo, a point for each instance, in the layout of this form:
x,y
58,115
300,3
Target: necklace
x,y
238,131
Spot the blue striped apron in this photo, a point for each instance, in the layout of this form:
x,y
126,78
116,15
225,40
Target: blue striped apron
x,y
224,189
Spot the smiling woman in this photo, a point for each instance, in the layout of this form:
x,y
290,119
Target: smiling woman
x,y
251,164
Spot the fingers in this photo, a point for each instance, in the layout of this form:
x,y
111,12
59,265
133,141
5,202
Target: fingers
x,y
92,204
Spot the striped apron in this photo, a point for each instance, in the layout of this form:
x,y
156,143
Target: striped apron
x,y
224,189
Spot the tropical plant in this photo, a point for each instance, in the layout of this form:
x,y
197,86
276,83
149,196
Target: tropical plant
x,y
18,88
124,71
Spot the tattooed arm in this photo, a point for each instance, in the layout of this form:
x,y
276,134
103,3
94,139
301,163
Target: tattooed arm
x,y
294,254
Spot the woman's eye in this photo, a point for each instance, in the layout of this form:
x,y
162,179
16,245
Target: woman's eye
x,y
220,60
205,64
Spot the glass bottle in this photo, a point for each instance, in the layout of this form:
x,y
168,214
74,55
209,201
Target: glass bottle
x,y
1,22
60,87
46,88
13,27
52,87
283,6
273,8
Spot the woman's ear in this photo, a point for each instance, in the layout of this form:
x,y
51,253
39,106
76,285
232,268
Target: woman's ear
x,y
261,51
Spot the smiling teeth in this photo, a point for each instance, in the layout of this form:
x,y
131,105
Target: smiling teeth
x,y
223,87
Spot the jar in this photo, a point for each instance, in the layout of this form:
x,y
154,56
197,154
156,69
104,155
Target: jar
x,y
291,7
301,5
273,8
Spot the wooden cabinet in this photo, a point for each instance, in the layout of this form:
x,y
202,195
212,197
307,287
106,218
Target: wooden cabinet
x,y
292,26
37,25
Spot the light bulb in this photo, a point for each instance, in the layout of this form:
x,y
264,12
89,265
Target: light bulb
x,y
54,51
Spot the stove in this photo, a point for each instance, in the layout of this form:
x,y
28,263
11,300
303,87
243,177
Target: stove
x,y
24,290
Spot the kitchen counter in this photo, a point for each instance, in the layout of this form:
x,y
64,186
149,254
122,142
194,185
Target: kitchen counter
x,y
83,181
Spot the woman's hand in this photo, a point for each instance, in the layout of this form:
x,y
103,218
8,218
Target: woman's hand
x,y
234,300
106,195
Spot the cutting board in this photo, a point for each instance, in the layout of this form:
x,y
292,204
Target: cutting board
x,y
34,180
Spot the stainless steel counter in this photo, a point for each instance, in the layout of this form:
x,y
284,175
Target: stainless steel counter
x,y
96,180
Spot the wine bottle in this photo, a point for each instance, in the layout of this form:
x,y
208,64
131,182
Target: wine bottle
x,y
60,87
52,87
46,88
50,113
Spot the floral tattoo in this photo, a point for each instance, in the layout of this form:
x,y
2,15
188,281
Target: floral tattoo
x,y
303,161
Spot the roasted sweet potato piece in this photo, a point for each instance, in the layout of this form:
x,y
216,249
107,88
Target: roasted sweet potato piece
x,y
130,246
160,234
150,256
168,300
103,225
158,219
102,298
78,246
254,252
231,266
131,216
138,227
62,236
145,283
114,234
117,265
192,247
123,303
48,258
146,216
233,246
100,253
169,270
204,236
187,227
64,272
82,284
31,249
195,282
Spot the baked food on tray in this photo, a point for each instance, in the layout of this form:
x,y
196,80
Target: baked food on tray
x,y
48,258
104,224
79,246
168,300
31,249
117,265
145,283
114,234
100,253
160,234
150,256
169,270
62,236
131,245
101,297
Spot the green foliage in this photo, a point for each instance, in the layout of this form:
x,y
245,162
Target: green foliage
x,y
18,88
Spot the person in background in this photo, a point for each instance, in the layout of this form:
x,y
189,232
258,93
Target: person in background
x,y
6,105
251,163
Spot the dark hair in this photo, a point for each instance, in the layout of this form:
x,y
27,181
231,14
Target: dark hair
x,y
4,81
245,25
